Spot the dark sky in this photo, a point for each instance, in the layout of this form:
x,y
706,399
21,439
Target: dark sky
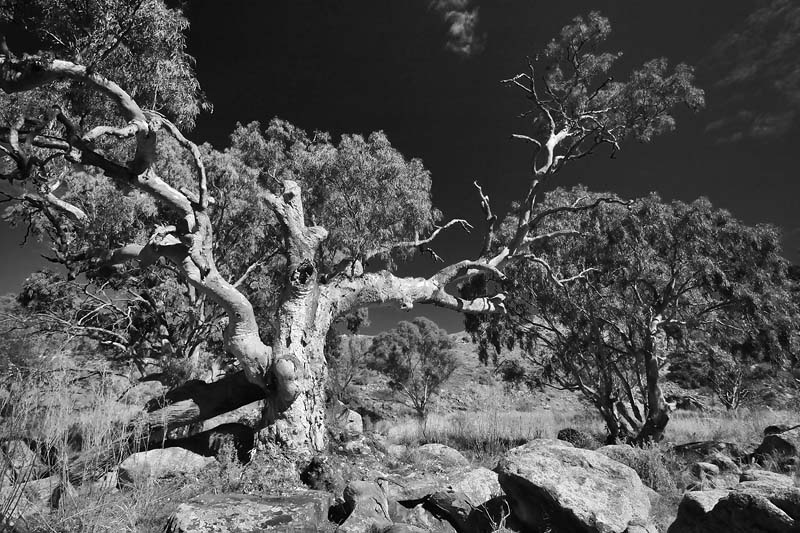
x,y
427,73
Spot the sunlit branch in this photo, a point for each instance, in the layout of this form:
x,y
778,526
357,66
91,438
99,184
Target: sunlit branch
x,y
491,221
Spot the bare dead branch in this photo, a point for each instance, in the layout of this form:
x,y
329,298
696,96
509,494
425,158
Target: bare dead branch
x,y
422,244
526,138
574,209
551,273
491,222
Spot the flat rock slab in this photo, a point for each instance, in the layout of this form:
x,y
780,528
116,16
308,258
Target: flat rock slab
x,y
303,512
574,489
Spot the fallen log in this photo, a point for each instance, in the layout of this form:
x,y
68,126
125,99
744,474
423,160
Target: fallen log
x,y
194,401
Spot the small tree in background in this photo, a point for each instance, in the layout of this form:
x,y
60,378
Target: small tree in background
x,y
417,357
345,354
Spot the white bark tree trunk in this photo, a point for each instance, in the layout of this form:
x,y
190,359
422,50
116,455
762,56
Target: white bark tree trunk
x,y
295,413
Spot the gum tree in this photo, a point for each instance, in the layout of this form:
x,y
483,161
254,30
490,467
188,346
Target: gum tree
x,y
665,278
103,102
576,109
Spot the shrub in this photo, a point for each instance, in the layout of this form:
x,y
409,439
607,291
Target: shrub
x,y
651,463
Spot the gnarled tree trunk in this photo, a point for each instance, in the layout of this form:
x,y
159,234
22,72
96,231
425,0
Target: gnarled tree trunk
x,y
295,415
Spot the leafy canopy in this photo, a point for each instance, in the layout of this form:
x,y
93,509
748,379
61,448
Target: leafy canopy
x,y
362,190
706,281
140,44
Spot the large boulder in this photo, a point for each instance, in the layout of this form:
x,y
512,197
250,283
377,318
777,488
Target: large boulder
x,y
466,492
551,482
160,463
303,511
478,485
763,502
781,447
367,506
438,502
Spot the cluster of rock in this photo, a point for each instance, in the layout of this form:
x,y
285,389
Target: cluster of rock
x,y
542,484
726,499
761,502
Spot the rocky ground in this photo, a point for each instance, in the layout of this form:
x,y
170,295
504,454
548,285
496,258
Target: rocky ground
x,y
490,459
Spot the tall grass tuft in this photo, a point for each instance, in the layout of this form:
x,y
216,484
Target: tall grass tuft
x,y
77,432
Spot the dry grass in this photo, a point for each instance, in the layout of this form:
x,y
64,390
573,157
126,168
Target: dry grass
x,y
484,436
745,426
63,413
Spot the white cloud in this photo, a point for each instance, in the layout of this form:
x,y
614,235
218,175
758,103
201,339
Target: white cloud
x,y
463,37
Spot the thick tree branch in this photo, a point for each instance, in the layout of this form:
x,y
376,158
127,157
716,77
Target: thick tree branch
x,y
384,288
18,75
